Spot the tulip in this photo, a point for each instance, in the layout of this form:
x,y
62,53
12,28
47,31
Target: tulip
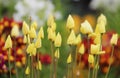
x,y
25,39
27,71
70,22
51,34
58,40
34,25
38,43
78,40
31,49
100,28
94,48
32,33
81,49
25,28
69,59
8,42
102,18
57,53
97,39
50,20
15,31
91,58
41,33
114,39
39,66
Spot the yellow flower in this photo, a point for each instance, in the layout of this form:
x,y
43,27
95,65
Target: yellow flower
x,y
86,28
71,38
34,25
102,18
91,58
97,39
58,40
57,53
70,22
38,43
39,66
81,49
32,33
69,59
51,34
25,39
114,39
50,20
100,28
15,31
53,26
78,39
8,42
94,48
27,71
25,28
31,49
41,33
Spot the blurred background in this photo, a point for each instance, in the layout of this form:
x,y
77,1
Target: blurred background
x,y
16,11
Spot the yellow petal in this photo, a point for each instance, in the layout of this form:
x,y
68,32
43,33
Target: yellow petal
x,y
81,49
38,43
32,33
102,18
51,34
57,54
34,25
97,39
69,59
50,20
15,31
25,39
78,39
94,48
31,49
86,28
27,71
91,58
70,22
25,28
8,42
100,28
71,38
58,40
114,39
53,26
39,65
41,33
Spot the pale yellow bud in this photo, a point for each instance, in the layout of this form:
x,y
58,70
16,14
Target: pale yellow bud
x,y
69,59
57,53
100,28
97,39
71,38
50,20
34,25
114,39
32,33
91,58
51,34
38,43
15,31
78,39
58,40
31,49
70,22
27,71
94,48
25,28
25,39
39,66
41,33
81,49
86,28
53,26
102,18
8,42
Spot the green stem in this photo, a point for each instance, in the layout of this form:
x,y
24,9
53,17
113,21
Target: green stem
x,y
110,62
32,74
9,62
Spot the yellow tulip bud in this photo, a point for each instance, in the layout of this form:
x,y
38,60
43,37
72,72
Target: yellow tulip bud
x,y
50,20
71,38
86,28
8,42
91,58
51,34
38,43
81,49
102,18
32,33
78,40
58,40
15,31
39,66
27,71
53,26
114,39
25,39
69,59
100,28
31,49
70,22
34,25
25,28
57,54
94,48
97,39
41,33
